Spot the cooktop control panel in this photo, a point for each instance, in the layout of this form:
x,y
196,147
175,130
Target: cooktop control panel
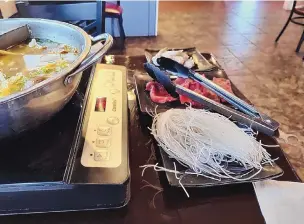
x,y
105,118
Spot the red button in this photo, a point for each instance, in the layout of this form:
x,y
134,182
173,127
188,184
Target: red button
x,y
101,103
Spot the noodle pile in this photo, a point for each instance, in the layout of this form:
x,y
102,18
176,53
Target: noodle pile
x,y
208,143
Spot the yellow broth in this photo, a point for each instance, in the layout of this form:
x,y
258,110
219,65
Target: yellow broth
x,y
39,61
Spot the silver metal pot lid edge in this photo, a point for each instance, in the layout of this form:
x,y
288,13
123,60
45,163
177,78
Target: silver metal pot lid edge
x,y
58,75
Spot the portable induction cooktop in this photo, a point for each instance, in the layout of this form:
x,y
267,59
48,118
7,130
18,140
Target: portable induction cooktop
x,y
78,160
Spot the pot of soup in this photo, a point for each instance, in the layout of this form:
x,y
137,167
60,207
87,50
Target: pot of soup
x,y
39,76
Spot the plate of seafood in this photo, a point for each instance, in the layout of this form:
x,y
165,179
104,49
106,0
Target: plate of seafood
x,y
189,57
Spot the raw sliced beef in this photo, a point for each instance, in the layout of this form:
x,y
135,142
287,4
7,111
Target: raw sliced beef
x,y
225,84
189,84
158,93
211,95
179,81
151,85
196,87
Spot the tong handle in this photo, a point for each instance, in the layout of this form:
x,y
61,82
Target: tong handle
x,y
267,127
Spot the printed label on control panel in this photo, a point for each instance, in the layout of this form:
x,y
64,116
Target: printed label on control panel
x,y
100,104
114,103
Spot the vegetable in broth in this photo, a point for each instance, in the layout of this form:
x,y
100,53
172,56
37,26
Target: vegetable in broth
x,y
39,60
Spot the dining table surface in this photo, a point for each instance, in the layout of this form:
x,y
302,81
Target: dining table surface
x,y
153,200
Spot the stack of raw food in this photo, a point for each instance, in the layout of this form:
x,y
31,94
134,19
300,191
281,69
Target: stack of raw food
x,y
207,143
159,94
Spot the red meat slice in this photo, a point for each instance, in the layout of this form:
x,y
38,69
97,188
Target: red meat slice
x,y
189,84
185,83
151,84
207,93
179,81
158,93
211,95
224,83
196,87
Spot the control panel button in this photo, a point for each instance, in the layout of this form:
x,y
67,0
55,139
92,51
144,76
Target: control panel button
x,y
114,91
104,130
101,155
103,142
113,120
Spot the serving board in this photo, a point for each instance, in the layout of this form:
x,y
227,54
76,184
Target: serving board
x,y
148,106
188,180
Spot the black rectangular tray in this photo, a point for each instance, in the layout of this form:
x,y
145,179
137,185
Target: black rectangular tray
x,y
147,106
189,180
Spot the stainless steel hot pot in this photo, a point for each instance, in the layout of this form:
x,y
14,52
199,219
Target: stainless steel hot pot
x,y
30,108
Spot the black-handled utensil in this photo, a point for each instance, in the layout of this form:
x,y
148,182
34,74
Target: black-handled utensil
x,y
184,72
162,78
268,128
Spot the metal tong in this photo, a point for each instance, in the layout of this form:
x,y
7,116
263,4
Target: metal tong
x,y
183,72
247,115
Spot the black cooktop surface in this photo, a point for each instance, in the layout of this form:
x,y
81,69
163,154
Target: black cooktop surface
x,y
41,155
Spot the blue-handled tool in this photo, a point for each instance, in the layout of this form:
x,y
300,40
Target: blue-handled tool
x,y
261,123
181,71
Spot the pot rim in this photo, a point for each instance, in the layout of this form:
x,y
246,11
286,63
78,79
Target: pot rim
x,y
84,52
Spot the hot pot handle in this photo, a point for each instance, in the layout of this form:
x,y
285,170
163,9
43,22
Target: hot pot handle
x,y
97,51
